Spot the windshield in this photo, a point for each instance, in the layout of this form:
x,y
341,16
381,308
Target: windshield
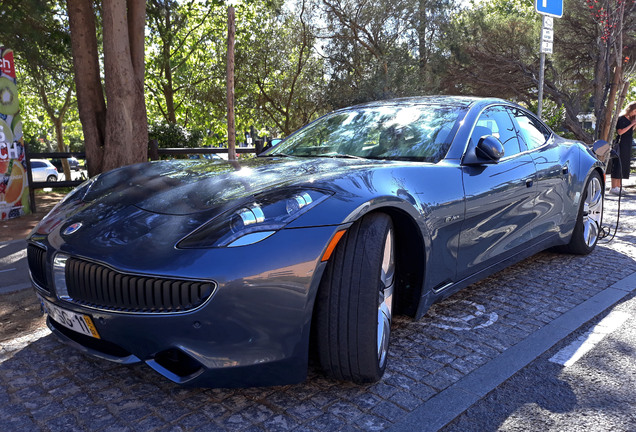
x,y
402,132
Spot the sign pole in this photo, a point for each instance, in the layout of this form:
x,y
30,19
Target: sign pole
x,y
548,9
541,71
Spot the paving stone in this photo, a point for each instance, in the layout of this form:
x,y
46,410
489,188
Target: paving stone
x,y
149,423
372,423
304,410
280,423
406,400
63,423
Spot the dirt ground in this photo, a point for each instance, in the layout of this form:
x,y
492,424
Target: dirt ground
x,y
20,310
19,228
19,314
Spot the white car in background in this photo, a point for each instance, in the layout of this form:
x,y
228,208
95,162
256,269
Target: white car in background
x,y
42,170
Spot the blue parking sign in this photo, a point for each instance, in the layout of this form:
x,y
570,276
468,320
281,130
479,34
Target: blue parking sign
x,y
553,8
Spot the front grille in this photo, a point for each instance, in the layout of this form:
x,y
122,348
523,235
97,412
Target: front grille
x,y
98,286
36,256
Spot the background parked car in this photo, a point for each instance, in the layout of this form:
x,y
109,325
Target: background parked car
x,y
73,164
43,170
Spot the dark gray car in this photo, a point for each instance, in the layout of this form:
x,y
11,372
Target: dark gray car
x,y
224,274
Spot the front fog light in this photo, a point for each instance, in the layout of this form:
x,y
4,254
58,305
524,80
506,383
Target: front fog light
x,y
59,276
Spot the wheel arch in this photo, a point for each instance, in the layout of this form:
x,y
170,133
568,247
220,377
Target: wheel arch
x,y
410,259
409,254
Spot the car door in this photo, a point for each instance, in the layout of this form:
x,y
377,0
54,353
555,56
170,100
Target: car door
x,y
499,198
38,171
553,164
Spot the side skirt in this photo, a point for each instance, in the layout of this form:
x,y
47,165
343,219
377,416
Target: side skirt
x,y
430,296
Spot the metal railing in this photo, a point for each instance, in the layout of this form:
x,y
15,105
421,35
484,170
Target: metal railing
x,y
154,153
56,184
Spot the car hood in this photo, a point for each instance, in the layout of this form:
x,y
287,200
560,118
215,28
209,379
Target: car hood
x,y
188,187
124,208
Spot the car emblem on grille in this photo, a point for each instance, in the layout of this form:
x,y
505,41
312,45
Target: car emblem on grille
x,y
72,228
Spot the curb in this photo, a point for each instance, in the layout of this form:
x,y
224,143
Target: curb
x,y
6,243
14,288
447,405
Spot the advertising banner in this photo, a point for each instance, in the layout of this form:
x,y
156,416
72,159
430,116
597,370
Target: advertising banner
x,y
14,190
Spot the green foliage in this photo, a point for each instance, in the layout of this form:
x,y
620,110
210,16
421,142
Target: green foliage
x,y
171,135
298,59
280,84
185,62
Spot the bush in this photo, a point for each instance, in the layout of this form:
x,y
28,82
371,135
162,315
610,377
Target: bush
x,y
175,136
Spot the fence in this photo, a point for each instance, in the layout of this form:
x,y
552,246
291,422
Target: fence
x,y
154,153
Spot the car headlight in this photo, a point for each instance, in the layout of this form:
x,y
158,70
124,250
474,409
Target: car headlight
x,y
255,221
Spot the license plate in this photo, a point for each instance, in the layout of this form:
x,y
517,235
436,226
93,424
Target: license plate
x,y
77,322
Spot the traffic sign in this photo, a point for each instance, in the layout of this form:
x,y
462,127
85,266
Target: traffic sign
x,y
547,35
552,8
546,47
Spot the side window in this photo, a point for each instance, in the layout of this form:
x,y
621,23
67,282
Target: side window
x,y
496,121
531,130
37,164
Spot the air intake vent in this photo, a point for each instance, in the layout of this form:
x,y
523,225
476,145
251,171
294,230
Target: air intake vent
x,y
98,286
36,257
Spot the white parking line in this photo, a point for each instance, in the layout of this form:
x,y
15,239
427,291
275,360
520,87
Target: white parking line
x,y
577,349
8,270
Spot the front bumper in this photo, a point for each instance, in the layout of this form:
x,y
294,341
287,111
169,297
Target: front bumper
x,y
253,331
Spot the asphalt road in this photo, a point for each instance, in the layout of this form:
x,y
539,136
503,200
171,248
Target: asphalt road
x,y
13,266
477,361
597,392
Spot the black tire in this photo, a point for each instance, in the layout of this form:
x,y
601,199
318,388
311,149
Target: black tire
x,y
588,222
51,178
354,303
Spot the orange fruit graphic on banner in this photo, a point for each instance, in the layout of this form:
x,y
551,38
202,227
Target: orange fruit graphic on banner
x,y
16,183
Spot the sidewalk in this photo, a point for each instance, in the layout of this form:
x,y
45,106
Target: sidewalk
x,y
19,228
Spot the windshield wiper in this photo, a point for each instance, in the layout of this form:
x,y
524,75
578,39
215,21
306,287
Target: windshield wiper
x,y
284,155
341,155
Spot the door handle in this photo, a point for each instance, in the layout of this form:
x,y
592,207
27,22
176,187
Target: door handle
x,y
529,182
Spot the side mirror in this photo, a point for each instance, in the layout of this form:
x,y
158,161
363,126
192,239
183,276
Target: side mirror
x,y
487,151
489,147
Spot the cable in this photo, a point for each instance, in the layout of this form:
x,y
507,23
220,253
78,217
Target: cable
x,y
604,232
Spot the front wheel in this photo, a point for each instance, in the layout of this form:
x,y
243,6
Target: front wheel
x,y
588,223
355,302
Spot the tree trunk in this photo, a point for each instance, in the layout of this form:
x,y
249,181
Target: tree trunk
x,y
231,132
126,140
606,125
422,44
59,136
168,87
90,96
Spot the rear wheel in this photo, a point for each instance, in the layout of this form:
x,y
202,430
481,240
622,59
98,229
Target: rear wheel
x,y
588,222
51,178
355,300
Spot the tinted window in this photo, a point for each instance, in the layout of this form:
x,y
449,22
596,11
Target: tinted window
x,y
531,130
36,164
410,132
496,121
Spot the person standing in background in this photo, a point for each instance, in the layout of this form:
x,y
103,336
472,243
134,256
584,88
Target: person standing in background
x,y
625,131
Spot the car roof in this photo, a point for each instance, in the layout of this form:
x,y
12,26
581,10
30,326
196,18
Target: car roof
x,y
456,101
